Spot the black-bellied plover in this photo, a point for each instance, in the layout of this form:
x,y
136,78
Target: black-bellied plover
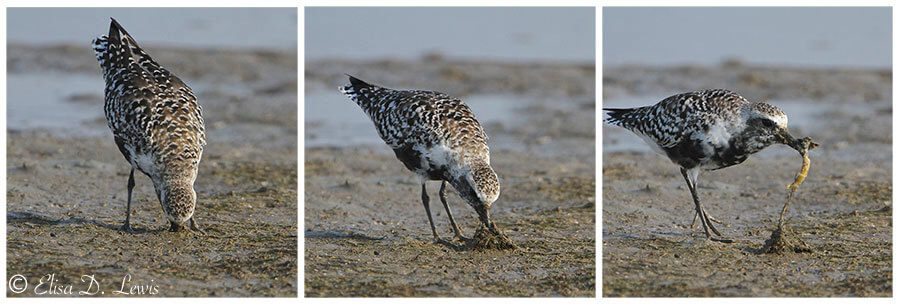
x,y
156,122
706,130
436,136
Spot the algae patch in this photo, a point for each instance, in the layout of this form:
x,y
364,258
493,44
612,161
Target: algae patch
x,y
785,240
491,239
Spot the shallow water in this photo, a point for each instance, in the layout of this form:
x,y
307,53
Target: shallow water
x,y
509,33
48,101
249,28
809,36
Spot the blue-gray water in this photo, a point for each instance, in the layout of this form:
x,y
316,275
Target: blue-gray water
x,y
797,36
246,28
489,33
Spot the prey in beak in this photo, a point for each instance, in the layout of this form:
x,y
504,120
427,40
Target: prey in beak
x,y
802,146
785,137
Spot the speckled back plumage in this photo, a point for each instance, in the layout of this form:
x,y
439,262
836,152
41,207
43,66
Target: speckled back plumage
x,y
709,128
433,134
678,116
155,119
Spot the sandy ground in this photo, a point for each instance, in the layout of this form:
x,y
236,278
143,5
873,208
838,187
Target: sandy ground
x,y
843,210
66,190
366,232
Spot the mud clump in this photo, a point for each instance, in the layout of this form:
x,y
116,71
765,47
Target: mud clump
x,y
491,239
785,240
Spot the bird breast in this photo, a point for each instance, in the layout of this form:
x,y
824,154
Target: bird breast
x,y
437,159
718,135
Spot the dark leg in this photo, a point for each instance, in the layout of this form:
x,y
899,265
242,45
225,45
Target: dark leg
x,y
196,228
127,226
704,218
175,227
428,211
447,207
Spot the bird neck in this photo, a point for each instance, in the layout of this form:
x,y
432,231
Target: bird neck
x,y
479,185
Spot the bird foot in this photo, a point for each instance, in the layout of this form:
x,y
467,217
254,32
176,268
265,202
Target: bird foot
x,y
713,219
127,228
707,225
717,239
457,234
175,227
196,228
435,237
721,240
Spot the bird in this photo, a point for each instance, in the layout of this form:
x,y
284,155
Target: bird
x,y
437,137
156,122
706,130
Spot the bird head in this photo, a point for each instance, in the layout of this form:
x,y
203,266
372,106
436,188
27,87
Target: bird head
x,y
179,200
480,187
766,125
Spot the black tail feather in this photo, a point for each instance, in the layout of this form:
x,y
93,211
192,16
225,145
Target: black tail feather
x,y
115,27
114,36
618,112
115,39
358,83
617,116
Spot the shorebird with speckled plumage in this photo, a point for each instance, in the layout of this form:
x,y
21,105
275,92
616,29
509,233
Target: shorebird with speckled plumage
x,y
156,123
706,130
437,137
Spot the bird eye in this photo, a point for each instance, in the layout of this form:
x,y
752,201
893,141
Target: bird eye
x,y
768,123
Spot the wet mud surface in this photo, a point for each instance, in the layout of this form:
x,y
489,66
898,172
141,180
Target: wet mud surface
x,y
366,232
843,211
66,187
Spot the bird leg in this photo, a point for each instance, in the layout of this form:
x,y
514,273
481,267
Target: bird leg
x,y
127,226
428,211
450,214
701,212
196,228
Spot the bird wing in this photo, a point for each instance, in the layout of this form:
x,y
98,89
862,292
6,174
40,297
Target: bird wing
x,y
406,119
403,116
149,109
677,117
